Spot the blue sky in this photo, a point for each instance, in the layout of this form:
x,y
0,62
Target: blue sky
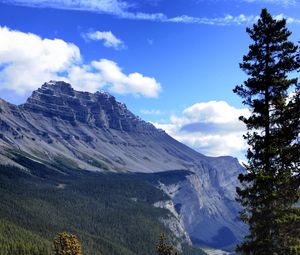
x,y
173,62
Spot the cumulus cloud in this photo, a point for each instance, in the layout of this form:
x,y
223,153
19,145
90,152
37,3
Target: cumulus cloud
x,y
211,128
135,83
27,61
123,9
107,37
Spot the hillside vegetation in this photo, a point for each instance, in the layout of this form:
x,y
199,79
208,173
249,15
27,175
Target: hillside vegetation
x,y
110,213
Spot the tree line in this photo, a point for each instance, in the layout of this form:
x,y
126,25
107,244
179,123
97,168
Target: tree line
x,y
68,244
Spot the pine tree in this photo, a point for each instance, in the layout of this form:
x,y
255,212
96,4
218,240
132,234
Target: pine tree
x,y
66,244
270,188
163,248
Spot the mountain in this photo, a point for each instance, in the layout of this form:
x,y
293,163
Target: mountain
x,y
80,130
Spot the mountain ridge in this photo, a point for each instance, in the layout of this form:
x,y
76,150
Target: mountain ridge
x,y
95,132
101,120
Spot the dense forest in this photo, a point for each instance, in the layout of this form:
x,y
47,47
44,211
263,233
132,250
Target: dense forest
x,y
110,213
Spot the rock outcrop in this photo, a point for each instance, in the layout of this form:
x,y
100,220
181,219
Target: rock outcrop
x,y
101,110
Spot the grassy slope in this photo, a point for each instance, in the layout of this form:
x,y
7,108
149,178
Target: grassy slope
x,y
110,213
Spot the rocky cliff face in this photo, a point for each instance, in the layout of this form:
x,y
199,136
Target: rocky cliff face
x,y
95,132
58,100
205,202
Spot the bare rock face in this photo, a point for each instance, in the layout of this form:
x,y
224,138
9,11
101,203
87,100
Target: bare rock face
x,y
205,203
60,100
95,132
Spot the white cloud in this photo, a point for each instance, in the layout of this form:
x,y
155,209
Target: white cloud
x,y
289,20
123,9
280,2
211,128
134,83
108,38
226,20
104,6
84,78
27,61
152,112
284,3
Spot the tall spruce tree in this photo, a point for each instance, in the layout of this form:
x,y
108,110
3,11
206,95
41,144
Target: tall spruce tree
x,y
270,189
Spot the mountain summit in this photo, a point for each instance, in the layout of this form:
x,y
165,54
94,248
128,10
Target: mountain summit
x,y
98,110
95,132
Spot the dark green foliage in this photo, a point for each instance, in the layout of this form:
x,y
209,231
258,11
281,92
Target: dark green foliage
x,y
110,213
270,189
15,240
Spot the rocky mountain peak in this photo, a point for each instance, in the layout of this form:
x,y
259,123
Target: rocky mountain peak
x,y
58,87
57,99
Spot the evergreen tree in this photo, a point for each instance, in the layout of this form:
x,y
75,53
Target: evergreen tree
x,y
270,188
163,248
66,244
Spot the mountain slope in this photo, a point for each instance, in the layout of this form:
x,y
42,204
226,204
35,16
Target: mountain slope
x,y
95,132
110,213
